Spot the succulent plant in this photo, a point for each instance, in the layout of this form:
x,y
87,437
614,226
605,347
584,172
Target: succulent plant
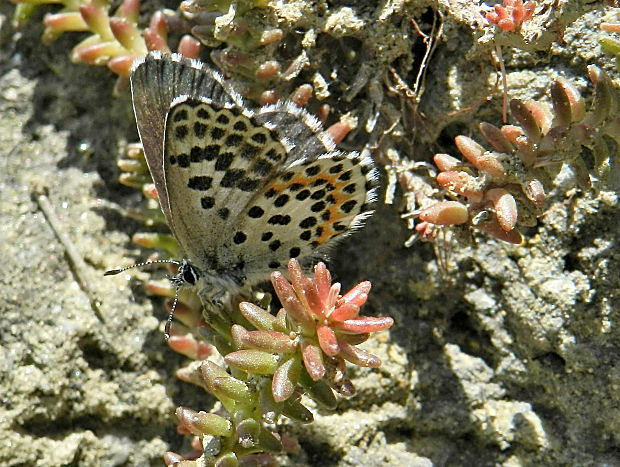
x,y
116,40
272,360
511,14
506,187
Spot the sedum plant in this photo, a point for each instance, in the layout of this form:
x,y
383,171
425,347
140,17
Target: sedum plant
x,y
248,34
270,362
500,189
115,38
511,14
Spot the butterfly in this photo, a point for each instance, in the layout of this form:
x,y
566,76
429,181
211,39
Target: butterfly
x,y
242,189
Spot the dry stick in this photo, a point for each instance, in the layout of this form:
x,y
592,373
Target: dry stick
x,y
418,87
431,44
500,58
78,266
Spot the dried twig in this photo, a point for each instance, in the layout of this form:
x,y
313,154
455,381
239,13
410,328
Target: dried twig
x,y
78,266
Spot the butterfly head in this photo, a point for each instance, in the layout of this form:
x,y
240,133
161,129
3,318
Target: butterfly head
x,y
187,274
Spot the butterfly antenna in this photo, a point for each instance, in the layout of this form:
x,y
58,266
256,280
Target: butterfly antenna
x,y
113,272
171,314
177,280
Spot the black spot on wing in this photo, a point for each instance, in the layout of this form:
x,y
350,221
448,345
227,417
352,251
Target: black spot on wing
x,y
224,161
231,177
240,126
348,206
223,213
302,195
180,116
248,184
259,138
239,238
279,219
201,183
207,202
256,212
346,176
217,133
281,200
180,132
312,171
308,222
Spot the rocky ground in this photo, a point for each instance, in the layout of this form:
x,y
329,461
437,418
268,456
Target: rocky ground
x,y
506,357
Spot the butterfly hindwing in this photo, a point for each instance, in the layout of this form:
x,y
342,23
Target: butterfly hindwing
x,y
292,123
307,208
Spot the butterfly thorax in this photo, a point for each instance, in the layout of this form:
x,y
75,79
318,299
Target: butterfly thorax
x,y
213,285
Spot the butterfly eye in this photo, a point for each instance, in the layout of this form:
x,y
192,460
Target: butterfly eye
x,y
189,273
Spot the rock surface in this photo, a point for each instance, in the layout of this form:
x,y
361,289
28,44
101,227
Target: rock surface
x,y
510,357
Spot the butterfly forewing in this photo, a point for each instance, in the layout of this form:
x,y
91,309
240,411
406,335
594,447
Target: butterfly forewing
x,y
156,82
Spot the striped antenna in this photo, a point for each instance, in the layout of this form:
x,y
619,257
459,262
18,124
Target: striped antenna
x,y
187,274
113,272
